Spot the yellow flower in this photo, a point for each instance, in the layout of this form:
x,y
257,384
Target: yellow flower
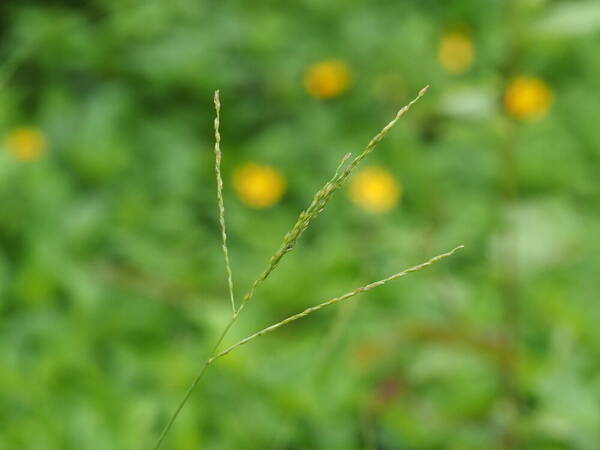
x,y
26,143
456,52
375,190
258,186
327,79
528,97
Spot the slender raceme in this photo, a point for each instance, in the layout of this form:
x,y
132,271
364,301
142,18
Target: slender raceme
x,y
306,217
333,301
322,197
217,101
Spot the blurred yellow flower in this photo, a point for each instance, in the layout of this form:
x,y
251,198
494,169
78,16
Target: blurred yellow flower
x,y
528,97
258,186
327,79
456,52
26,143
375,190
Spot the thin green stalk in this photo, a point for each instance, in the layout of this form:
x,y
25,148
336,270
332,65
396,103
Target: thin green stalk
x,y
192,386
220,198
181,404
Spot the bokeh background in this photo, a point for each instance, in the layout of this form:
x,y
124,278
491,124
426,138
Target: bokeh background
x,y
112,284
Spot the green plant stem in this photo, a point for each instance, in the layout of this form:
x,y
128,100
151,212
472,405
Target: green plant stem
x,y
192,386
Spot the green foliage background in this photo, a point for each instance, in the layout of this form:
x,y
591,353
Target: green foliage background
x,y
112,285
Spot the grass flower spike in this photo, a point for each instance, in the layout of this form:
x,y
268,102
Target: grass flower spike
x,y
306,217
219,178
333,301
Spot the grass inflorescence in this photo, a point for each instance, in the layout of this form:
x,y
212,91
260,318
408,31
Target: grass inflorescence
x,y
306,217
